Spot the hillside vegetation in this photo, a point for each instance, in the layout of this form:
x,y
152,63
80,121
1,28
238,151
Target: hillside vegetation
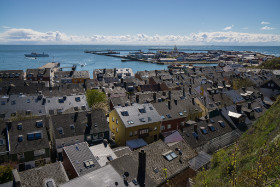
x,y
271,64
253,161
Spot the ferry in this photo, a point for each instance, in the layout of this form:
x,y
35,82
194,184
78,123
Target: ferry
x,y
34,55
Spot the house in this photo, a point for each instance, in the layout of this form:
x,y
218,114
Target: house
x,y
80,76
39,75
157,162
4,143
78,160
48,175
271,88
12,74
72,128
29,142
105,176
134,122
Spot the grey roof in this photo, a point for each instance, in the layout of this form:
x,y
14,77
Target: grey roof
x,y
28,126
155,162
102,152
121,151
20,104
40,175
79,153
105,176
235,96
149,116
67,106
3,139
200,160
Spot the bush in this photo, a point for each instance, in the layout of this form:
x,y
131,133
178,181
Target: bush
x,y
6,174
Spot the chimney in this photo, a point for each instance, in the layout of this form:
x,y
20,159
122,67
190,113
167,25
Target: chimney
x,y
169,94
146,82
193,80
169,105
184,92
104,70
238,108
224,83
115,70
121,80
155,97
141,168
76,116
190,90
89,121
137,98
249,105
193,100
195,127
175,101
243,88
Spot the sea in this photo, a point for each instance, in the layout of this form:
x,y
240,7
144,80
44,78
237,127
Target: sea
x,y
12,56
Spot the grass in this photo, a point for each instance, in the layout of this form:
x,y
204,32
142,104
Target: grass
x,y
257,161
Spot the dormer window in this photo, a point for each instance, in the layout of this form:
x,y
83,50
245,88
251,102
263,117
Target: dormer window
x,y
19,127
195,135
39,124
60,130
72,126
203,130
125,113
169,115
211,127
170,155
142,119
77,99
180,113
222,124
20,138
142,110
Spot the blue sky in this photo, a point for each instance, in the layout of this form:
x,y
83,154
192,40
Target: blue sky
x,y
131,21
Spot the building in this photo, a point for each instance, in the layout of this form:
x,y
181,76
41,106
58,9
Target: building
x,y
139,121
50,175
29,142
12,74
78,160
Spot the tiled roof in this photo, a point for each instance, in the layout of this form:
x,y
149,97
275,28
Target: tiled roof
x,y
78,154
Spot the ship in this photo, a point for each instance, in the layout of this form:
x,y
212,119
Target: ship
x,y
36,55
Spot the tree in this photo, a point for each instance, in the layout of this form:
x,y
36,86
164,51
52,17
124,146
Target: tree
x,y
6,174
95,97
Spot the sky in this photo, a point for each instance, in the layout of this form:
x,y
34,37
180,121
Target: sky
x,y
147,22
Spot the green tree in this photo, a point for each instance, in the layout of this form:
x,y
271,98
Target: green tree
x,y
95,97
6,174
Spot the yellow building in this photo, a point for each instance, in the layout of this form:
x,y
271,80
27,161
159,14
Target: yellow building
x,y
140,121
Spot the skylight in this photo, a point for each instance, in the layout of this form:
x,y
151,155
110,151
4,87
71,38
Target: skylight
x,y
20,126
142,119
124,113
212,121
130,122
222,124
39,123
195,135
169,115
170,155
142,110
180,113
203,130
20,138
211,127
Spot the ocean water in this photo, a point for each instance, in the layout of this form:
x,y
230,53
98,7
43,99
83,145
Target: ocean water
x,y
12,56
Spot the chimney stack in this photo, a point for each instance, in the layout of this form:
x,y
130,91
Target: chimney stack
x,y
137,98
169,95
155,97
249,105
89,119
115,71
224,83
238,108
184,92
193,100
76,116
175,101
141,168
195,127
169,105
190,90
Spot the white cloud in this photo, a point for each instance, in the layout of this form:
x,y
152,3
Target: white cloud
x,y
29,36
266,28
228,28
265,23
245,28
5,27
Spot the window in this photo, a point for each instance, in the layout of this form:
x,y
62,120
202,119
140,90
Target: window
x,y
180,113
125,113
113,127
162,127
113,119
117,130
142,110
203,130
162,117
19,127
116,121
142,119
258,109
143,131
13,102
130,122
135,132
88,137
170,155
195,135
211,127
151,108
169,116
38,136
168,126
60,130
61,100
3,102
20,138
95,137
222,124
72,126
101,135
39,123
77,99
130,133
155,128
2,142
212,121
149,119
30,136
28,100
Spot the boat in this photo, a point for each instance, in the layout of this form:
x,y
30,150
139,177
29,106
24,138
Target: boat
x,y
36,55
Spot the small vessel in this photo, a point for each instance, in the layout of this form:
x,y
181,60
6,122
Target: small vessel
x,y
82,65
34,55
